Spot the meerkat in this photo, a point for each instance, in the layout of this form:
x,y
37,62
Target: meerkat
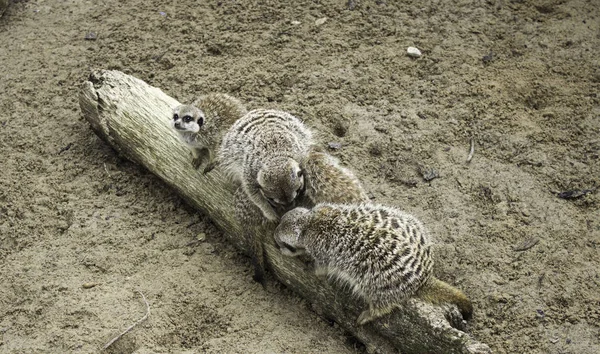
x,y
202,124
262,151
383,253
327,181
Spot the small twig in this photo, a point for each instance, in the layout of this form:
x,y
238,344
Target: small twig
x,y
133,325
106,169
527,244
159,57
472,151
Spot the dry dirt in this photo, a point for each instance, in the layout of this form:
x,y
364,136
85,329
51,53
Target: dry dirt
x,y
521,78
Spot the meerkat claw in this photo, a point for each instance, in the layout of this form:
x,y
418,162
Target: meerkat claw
x,y
209,167
196,162
364,318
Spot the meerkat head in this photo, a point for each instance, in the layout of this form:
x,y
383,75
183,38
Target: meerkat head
x,y
188,119
281,180
289,231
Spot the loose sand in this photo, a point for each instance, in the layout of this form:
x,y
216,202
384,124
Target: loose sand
x,y
521,78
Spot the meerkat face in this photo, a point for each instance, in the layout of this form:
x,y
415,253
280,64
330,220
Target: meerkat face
x,y
187,118
289,230
280,182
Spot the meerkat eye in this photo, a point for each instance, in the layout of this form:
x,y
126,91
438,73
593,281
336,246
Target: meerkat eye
x,y
175,116
289,247
300,173
187,119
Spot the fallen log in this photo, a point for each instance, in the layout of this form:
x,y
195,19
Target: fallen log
x,y
134,118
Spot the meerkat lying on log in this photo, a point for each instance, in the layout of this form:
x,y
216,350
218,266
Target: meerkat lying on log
x,y
383,254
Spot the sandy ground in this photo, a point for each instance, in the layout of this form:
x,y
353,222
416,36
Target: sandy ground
x,y
521,78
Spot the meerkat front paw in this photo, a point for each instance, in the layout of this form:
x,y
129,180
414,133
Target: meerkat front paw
x,y
270,214
210,166
364,318
197,162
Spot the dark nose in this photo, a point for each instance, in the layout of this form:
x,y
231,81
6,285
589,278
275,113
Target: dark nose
x,y
177,124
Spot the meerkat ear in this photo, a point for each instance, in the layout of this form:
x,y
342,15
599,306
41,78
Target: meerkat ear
x,y
200,121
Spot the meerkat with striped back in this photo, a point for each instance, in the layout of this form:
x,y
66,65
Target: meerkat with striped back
x,y
202,124
383,253
263,151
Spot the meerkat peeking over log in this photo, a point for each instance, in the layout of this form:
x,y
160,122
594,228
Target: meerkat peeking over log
x,y
383,254
202,124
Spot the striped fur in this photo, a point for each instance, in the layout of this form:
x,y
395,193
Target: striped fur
x,y
218,111
263,151
382,253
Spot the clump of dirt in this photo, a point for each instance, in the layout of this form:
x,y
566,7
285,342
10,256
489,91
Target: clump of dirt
x,y
520,78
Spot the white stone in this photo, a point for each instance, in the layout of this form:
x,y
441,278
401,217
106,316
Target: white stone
x,y
296,23
413,52
320,21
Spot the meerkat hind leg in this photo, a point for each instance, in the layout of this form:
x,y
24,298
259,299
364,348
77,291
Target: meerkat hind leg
x,y
254,195
373,312
251,217
258,259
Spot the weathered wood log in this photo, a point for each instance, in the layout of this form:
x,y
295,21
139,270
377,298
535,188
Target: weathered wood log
x,y
134,119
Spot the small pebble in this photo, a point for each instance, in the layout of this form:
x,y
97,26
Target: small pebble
x,y
429,173
334,145
296,23
321,21
209,249
488,57
91,36
89,285
413,52
201,237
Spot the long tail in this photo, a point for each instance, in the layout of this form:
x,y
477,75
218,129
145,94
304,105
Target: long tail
x,y
436,291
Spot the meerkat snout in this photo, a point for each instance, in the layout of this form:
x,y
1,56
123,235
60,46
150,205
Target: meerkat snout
x,y
278,187
288,232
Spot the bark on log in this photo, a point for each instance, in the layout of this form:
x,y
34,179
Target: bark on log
x,y
134,118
